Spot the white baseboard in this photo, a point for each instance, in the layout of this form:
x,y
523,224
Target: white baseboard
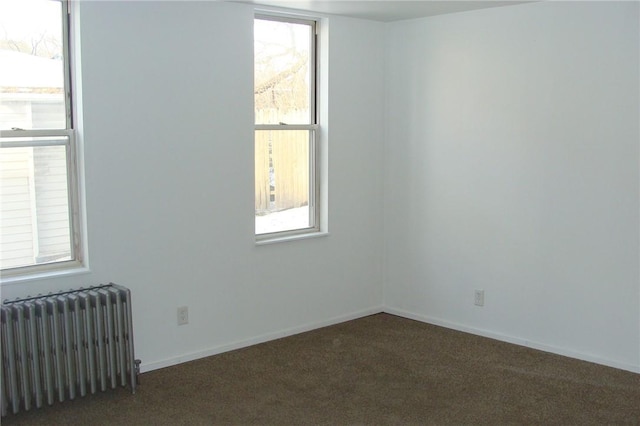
x,y
511,339
145,367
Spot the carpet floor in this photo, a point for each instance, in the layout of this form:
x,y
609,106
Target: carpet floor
x,y
377,370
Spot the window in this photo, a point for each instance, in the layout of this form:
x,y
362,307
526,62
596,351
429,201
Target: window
x,y
38,182
286,127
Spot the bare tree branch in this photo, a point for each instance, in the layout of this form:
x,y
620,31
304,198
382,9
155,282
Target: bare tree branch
x,y
35,43
281,76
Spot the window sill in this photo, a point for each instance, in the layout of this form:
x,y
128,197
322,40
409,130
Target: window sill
x,y
8,280
288,238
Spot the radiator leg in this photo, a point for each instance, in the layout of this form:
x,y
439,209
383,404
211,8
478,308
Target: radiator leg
x,y
137,378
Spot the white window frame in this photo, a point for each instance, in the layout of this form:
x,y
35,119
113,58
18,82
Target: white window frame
x,y
66,137
314,134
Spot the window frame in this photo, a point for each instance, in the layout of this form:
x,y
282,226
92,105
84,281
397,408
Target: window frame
x,y
313,129
17,137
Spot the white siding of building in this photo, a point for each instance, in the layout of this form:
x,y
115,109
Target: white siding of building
x,y
50,173
17,222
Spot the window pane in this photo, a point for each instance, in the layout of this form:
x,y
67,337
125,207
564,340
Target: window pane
x,y
32,64
34,219
283,80
282,180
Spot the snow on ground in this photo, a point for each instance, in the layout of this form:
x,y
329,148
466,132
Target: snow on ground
x,y
283,220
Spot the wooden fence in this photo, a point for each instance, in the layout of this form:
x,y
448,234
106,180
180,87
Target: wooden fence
x,y
281,169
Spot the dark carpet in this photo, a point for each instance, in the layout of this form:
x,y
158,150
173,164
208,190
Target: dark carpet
x,y
378,370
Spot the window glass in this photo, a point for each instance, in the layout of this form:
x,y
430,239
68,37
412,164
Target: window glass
x,y
39,210
282,180
32,63
286,181
35,205
283,72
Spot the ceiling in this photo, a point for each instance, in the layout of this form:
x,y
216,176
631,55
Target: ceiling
x,y
383,10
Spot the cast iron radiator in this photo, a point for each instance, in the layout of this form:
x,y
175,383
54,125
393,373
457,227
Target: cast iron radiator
x,y
64,345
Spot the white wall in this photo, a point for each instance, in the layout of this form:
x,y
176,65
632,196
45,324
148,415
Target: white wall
x,y
512,166
168,140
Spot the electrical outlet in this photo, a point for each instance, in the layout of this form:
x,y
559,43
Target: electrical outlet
x,y
479,298
183,315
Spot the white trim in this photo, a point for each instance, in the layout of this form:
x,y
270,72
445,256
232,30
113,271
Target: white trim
x,y
258,339
315,153
514,340
168,362
63,271
74,162
44,134
75,80
286,238
287,127
288,13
